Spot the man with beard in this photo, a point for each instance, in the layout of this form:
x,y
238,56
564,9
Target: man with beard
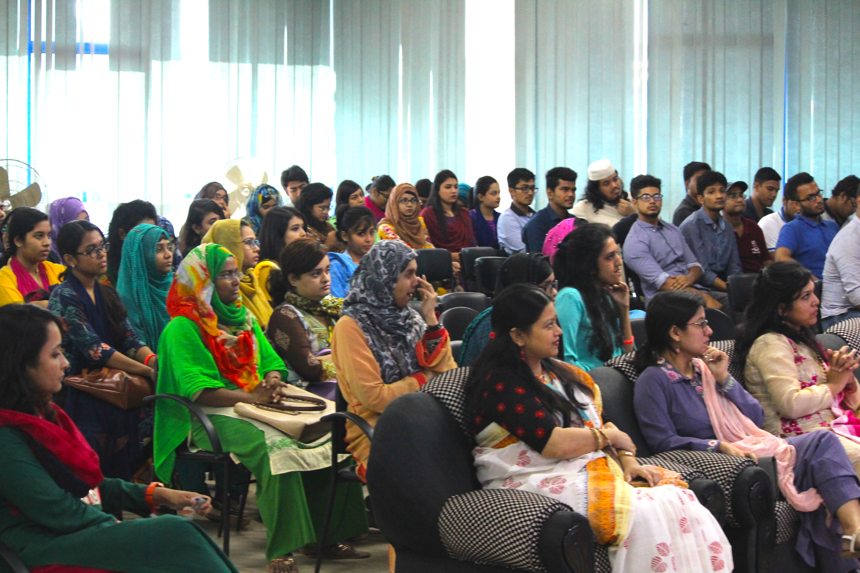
x,y
842,202
806,238
752,248
560,194
765,189
605,201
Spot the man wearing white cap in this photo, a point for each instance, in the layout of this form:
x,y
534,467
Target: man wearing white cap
x,y
605,201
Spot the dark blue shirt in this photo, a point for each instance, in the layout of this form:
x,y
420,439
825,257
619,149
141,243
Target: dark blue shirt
x,y
485,234
538,226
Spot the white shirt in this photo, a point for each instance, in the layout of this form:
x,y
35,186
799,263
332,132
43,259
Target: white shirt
x,y
770,225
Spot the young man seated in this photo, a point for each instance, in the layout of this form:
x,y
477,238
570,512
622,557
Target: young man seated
x,y
521,186
765,190
560,194
692,170
605,201
752,247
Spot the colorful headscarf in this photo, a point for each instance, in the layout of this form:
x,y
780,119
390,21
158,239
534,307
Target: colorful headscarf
x,y
141,287
259,196
60,212
226,330
229,234
392,333
410,230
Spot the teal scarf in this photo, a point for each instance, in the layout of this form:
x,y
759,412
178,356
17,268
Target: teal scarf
x,y
142,289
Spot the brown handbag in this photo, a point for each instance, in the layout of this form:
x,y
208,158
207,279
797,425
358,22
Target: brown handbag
x,y
297,414
113,386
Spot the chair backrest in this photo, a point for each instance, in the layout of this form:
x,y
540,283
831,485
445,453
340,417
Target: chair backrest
x,y
721,324
456,320
435,264
476,300
848,330
617,393
468,256
830,341
639,333
486,271
740,289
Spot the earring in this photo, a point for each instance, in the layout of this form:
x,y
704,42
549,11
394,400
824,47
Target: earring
x,y
523,354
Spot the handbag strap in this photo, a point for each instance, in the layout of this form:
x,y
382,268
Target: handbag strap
x,y
316,404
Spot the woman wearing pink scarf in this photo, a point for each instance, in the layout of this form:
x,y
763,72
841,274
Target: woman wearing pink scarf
x,y
686,399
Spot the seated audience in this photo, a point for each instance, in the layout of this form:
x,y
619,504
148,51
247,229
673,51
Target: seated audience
x,y
805,239
293,180
842,202
58,510
560,194
765,189
215,354
840,297
448,224
348,194
377,196
402,221
537,427
60,212
557,234
687,400
125,217
784,366
423,186
202,214
262,200
357,231
484,215
165,224
98,334
238,238
381,347
314,203
145,275
28,275
752,249
605,200
217,193
521,186
709,237
692,170
301,326
656,250
593,300
529,268
772,224
282,226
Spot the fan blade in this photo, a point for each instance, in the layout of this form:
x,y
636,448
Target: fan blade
x,y
29,197
235,176
4,184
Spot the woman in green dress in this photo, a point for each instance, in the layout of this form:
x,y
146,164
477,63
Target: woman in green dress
x,y
56,508
216,355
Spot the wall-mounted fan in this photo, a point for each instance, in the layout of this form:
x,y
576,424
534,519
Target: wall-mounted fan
x,y
246,174
20,184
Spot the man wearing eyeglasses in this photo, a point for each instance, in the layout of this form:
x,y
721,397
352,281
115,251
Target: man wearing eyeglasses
x,y
605,200
521,186
560,194
806,238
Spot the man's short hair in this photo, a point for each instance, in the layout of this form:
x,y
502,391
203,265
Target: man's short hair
x,y
640,182
847,186
519,174
556,174
293,173
795,181
709,178
694,167
766,174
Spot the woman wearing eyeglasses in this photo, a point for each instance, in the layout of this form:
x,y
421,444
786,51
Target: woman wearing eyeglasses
x,y
28,274
145,274
593,300
99,334
686,399
239,238
401,221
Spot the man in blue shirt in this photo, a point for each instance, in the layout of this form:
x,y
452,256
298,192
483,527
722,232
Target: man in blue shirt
x,y
560,194
711,239
656,250
521,186
806,238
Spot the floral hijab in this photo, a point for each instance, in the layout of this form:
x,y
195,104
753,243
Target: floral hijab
x,y
259,196
226,330
410,230
392,333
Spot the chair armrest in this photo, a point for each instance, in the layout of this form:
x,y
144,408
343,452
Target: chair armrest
x,y
707,491
12,560
516,529
197,412
362,424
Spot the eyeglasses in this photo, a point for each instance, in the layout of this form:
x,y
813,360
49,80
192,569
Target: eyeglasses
x,y
549,286
94,251
229,275
527,188
647,197
252,243
811,198
408,201
703,324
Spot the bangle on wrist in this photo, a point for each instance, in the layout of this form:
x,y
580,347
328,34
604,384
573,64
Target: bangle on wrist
x,y
434,328
148,359
628,341
148,495
596,437
606,441
626,453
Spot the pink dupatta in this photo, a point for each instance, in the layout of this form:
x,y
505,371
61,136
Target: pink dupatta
x,y
731,426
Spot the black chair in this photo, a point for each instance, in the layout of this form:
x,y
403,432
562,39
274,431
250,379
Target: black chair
x,y
435,264
476,300
486,271
721,324
637,325
456,320
12,561
339,472
216,457
740,291
468,256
